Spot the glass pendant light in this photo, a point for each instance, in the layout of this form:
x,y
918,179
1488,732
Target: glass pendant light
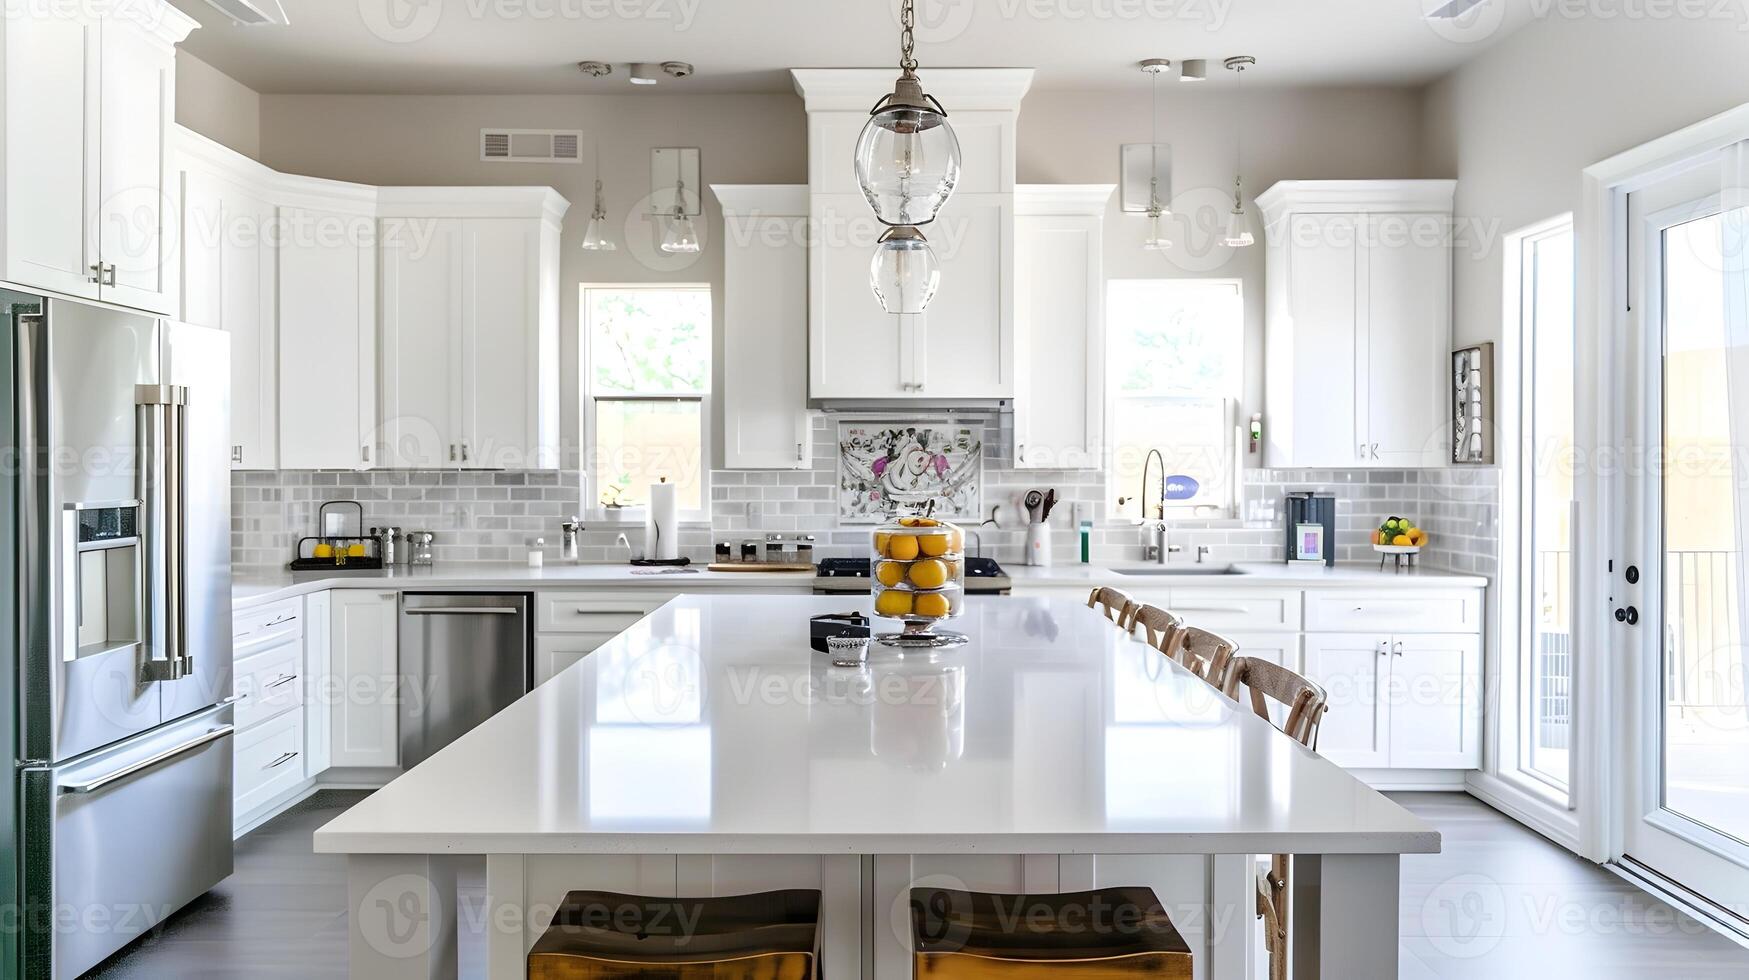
x,y
903,273
1238,230
907,158
681,236
595,234
1156,240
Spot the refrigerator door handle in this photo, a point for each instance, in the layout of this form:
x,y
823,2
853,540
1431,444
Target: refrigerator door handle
x,y
162,432
92,786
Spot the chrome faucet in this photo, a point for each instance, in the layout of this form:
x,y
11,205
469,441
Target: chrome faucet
x,y
1161,545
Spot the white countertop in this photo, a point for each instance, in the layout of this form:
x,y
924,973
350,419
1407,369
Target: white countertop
x,y
710,727
251,589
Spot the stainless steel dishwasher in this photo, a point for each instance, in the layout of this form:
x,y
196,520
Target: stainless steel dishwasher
x,y
464,656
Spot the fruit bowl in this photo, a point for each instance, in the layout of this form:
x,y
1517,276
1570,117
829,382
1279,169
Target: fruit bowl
x,y
1398,537
919,575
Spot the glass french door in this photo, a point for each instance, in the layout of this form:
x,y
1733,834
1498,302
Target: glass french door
x,y
1679,583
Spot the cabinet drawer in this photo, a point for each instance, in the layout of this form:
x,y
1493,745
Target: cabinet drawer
x,y
269,761
252,630
270,682
573,612
1251,610
1450,611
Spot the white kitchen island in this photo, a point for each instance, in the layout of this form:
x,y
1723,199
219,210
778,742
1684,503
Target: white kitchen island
x,y
708,750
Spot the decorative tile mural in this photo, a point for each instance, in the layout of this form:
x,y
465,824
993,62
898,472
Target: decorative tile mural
x,y
931,468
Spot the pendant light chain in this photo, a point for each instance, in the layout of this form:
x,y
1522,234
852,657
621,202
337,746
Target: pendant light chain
x,y
1239,134
907,40
1154,143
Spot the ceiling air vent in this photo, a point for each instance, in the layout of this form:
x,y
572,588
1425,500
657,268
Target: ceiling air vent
x,y
530,145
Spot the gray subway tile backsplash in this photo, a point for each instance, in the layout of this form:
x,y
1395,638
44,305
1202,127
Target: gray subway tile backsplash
x,y
490,516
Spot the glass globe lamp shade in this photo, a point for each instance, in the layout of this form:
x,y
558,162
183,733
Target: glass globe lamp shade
x,y
595,235
1156,240
904,272
907,157
1238,230
681,236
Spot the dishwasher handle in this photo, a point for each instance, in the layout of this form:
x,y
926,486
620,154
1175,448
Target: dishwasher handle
x,y
463,611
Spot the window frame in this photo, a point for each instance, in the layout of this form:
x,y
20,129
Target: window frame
x,y
1229,508
588,416
1515,661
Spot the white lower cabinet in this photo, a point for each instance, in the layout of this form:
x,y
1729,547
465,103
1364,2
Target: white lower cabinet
x,y
269,760
267,763
1399,701
1353,669
363,689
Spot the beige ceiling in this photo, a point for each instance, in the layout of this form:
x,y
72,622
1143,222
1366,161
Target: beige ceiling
x,y
530,46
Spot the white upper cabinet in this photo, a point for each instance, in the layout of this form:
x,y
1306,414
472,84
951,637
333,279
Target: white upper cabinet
x,y
327,329
1059,324
89,102
229,272
1358,323
963,346
470,327
766,424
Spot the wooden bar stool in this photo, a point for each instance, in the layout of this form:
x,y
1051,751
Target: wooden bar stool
x,y
1303,704
1098,935
596,935
1160,626
1207,655
1117,605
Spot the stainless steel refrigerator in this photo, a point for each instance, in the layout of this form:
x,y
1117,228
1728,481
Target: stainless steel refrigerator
x,y
119,693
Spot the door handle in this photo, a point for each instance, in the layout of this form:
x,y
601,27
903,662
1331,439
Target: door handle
x,y
144,764
463,611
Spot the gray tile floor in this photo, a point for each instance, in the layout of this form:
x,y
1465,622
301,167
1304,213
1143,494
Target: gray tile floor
x,y
1499,903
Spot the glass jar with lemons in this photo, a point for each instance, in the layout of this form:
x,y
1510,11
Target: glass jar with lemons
x,y
919,579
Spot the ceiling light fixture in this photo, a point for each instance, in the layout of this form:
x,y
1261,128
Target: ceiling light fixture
x,y
1238,232
643,74
904,271
676,69
681,237
1156,239
1194,70
595,69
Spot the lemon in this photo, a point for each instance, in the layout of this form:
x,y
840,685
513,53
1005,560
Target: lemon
x,y
931,573
890,573
919,521
355,551
933,604
882,539
1401,539
893,602
903,547
933,545
323,551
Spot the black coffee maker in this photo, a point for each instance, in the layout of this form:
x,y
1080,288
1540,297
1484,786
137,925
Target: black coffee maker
x,y
1311,527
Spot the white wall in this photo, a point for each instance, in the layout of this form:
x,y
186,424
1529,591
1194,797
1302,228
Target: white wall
x,y
217,106
1517,125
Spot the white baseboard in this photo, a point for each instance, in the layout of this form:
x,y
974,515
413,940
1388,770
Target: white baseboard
x,y
1412,780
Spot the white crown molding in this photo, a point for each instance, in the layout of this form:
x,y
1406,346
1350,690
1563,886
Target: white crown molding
x,y
192,150
777,200
1356,197
157,18
856,89
472,202
1062,199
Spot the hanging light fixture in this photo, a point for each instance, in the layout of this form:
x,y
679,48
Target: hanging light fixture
x,y
903,273
1156,239
907,158
1238,231
595,234
681,236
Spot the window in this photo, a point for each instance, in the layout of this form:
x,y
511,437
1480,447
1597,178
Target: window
x,y
1174,364
1540,287
648,371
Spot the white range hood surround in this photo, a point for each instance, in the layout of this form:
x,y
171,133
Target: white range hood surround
x,y
962,350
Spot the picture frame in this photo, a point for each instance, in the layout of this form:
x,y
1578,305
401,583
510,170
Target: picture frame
x,y
1309,543
1472,405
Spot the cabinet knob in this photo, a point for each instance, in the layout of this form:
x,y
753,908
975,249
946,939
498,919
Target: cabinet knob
x,y
236,454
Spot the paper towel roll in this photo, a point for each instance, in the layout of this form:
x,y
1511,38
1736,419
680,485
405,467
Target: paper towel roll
x,y
662,524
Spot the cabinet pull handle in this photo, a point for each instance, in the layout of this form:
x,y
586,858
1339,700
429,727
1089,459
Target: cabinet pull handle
x,y
1397,649
798,452
452,452
1375,450
279,681
1022,453
464,452
108,273
1362,452
96,275
1383,648
282,760
236,454
365,452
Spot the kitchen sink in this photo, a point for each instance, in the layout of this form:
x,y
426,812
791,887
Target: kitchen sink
x,y
1203,569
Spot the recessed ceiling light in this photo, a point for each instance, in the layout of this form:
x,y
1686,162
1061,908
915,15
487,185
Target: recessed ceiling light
x,y
1451,9
644,74
1193,70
